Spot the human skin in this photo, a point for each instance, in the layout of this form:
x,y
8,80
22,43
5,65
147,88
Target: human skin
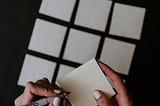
x,y
41,87
122,97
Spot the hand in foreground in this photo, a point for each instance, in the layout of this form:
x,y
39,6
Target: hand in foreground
x,y
122,98
40,88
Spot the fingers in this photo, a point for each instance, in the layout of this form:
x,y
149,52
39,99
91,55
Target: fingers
x,y
116,79
108,71
56,102
60,102
41,87
101,99
122,97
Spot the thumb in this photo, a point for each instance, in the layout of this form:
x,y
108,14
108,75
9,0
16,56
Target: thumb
x,y
101,98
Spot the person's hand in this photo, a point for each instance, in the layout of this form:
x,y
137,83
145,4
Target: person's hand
x,y
122,97
41,87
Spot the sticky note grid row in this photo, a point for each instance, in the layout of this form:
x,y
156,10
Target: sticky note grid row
x,y
127,21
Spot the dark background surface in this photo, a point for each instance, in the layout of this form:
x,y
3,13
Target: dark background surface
x,y
16,23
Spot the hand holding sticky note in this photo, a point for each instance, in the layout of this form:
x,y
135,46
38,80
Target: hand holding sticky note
x,y
82,81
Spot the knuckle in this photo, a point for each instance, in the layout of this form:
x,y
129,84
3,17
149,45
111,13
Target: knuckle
x,y
45,79
29,84
46,90
39,82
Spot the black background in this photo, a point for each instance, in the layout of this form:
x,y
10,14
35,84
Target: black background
x,y
17,18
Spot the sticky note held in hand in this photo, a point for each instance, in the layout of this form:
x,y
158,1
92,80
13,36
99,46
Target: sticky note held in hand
x,y
82,81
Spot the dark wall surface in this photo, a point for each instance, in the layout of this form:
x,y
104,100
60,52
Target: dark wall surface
x,y
16,22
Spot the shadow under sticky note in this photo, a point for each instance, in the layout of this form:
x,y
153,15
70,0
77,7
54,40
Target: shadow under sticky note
x,y
82,81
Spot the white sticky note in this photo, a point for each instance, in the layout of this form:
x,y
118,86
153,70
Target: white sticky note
x,y
118,55
64,70
61,9
35,68
81,46
82,81
47,38
127,21
93,14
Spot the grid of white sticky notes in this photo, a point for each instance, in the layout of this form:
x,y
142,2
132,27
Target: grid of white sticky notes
x,y
64,70
81,46
47,38
35,68
61,9
118,55
127,21
93,14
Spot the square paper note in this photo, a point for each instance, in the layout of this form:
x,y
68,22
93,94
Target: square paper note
x,y
47,38
82,81
63,70
127,21
93,14
81,46
61,9
35,68
118,55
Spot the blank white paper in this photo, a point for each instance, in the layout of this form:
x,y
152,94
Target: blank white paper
x,y
93,14
82,81
118,55
47,38
81,46
61,9
35,68
127,21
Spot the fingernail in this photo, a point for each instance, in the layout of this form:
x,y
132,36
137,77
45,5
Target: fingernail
x,y
56,101
96,94
57,91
